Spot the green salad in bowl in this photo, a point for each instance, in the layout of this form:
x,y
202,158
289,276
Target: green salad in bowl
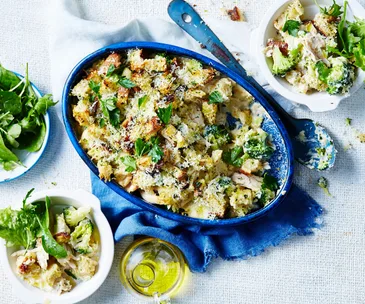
x,y
323,53
24,124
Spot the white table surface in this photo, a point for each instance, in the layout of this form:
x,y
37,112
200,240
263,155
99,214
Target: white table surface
x,y
327,267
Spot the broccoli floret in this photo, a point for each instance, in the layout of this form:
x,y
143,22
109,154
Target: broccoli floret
x,y
341,76
257,145
218,136
323,183
81,237
73,216
283,64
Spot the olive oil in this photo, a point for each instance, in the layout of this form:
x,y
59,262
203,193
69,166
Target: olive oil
x,y
153,269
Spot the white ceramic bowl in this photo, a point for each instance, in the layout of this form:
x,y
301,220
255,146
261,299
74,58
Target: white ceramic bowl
x,y
82,290
28,159
318,101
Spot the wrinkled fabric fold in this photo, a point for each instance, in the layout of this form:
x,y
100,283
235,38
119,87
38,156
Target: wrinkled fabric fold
x,y
297,215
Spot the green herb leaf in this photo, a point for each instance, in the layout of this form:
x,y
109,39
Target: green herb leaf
x,y
348,121
69,273
110,71
142,100
165,114
156,153
334,10
115,117
102,123
130,163
234,156
127,83
95,87
110,103
215,97
292,27
323,71
142,148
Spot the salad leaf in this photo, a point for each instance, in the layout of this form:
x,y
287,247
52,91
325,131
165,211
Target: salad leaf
x,y
359,54
5,154
34,141
215,97
130,163
292,27
358,28
19,227
127,83
43,104
341,28
8,80
165,114
10,102
48,242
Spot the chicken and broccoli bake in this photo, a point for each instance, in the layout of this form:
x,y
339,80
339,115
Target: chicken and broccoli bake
x,y
313,55
181,134
58,253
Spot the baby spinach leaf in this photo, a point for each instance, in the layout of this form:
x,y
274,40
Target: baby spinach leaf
x,y
5,154
44,103
292,27
130,163
9,80
127,83
165,114
215,97
10,102
33,141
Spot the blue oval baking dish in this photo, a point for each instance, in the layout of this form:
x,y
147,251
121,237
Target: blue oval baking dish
x,y
281,162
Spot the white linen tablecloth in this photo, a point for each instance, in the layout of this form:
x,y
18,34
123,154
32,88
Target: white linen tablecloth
x,y
327,267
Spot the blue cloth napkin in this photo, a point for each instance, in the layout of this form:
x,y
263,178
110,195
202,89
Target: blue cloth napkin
x,y
296,215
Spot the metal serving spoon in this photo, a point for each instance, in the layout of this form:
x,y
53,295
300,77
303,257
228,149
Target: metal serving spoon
x,y
313,146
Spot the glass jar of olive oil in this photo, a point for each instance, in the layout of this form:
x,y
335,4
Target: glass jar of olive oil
x,y
152,269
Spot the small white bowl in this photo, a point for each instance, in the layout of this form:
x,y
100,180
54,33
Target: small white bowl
x,y
32,295
28,159
317,101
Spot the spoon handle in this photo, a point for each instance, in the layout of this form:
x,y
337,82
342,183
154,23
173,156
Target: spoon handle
x,y
190,21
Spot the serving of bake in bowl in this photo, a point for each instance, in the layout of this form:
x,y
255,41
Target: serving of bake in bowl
x,y
59,246
312,52
177,133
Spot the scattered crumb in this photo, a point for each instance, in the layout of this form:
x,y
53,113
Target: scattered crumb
x,y
348,121
235,14
194,5
54,183
238,59
361,137
348,147
203,46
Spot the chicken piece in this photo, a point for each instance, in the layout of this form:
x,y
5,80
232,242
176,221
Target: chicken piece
x,y
251,182
251,166
112,59
42,256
